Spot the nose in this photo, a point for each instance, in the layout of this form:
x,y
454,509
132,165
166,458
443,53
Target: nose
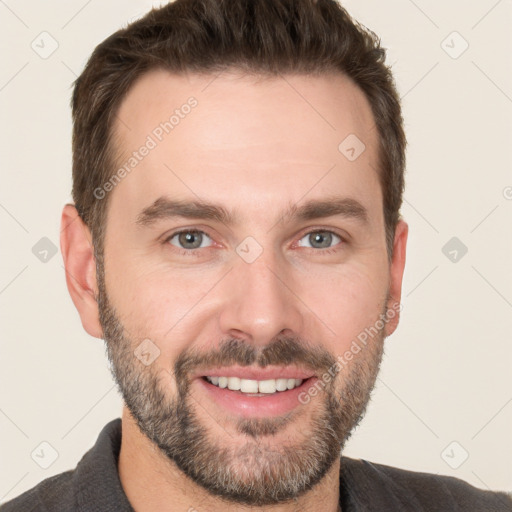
x,y
260,302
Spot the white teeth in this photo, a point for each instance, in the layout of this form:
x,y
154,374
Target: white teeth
x,y
268,386
234,383
281,384
248,386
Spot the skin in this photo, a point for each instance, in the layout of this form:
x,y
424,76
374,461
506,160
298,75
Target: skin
x,y
254,146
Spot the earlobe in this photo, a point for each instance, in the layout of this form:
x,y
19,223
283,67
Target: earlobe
x,y
396,276
80,266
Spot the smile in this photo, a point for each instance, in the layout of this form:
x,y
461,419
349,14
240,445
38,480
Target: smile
x,y
268,386
246,392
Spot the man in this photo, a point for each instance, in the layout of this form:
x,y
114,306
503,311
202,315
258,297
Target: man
x,y
237,177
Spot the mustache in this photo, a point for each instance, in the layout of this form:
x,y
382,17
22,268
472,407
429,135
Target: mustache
x,y
281,351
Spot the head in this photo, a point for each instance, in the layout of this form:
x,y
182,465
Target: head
x,y
237,197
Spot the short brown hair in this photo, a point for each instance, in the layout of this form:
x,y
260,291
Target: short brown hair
x,y
267,37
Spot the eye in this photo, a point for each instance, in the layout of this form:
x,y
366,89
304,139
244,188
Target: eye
x,y
320,239
190,239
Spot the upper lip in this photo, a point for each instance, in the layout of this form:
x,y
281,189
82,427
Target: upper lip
x,y
255,373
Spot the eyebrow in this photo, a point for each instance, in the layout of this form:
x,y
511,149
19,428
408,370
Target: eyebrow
x,y
165,208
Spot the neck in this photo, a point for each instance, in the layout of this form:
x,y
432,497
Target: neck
x,y
154,483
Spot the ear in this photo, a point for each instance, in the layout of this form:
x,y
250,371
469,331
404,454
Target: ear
x,y
80,265
396,275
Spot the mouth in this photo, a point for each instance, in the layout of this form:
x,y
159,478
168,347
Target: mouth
x,y
252,387
252,393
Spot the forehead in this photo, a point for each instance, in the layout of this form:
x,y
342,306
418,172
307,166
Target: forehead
x,y
244,140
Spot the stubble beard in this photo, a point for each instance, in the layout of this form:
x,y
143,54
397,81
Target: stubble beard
x,y
257,471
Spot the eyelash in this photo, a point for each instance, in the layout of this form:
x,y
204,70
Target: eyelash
x,y
195,252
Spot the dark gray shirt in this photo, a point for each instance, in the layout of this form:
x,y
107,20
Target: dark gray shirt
x,y
94,486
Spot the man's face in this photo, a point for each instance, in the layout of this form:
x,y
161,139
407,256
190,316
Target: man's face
x,y
269,291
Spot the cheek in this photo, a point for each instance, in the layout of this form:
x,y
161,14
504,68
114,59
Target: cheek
x,y
348,302
161,304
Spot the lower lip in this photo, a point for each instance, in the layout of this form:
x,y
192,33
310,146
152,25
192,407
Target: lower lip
x,y
247,406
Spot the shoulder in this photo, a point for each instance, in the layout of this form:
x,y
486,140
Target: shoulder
x,y
363,481
93,485
53,494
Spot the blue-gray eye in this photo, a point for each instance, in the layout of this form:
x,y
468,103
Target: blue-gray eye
x,y
320,239
190,239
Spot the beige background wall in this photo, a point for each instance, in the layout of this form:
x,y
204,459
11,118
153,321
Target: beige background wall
x,y
445,391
